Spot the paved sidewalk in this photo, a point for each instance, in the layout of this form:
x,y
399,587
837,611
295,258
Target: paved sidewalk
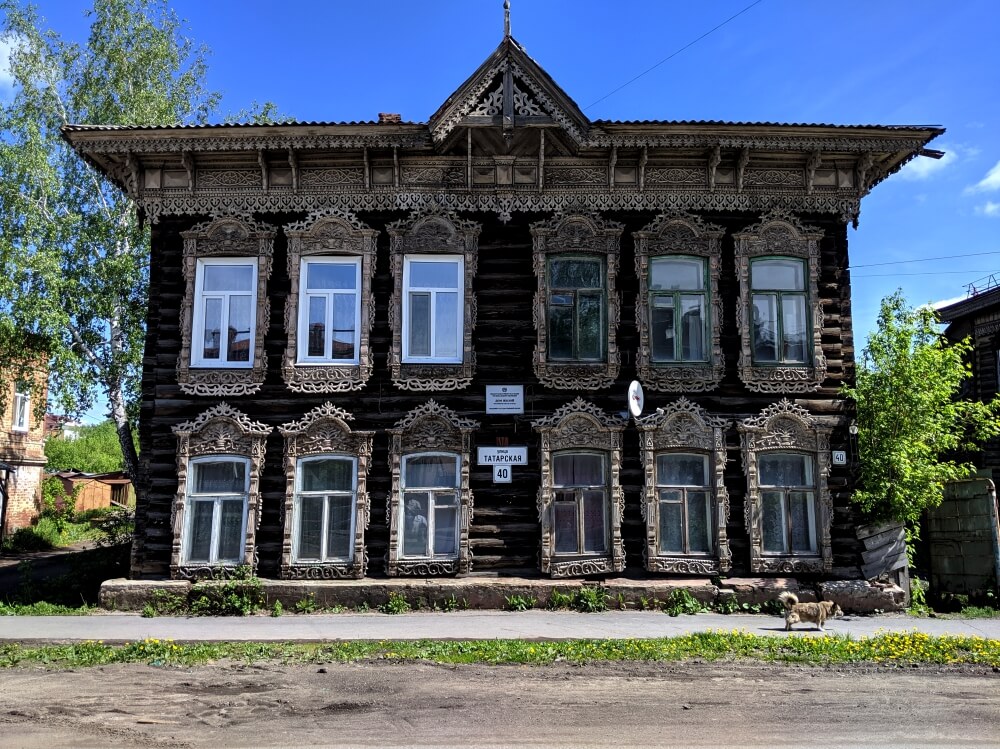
x,y
463,625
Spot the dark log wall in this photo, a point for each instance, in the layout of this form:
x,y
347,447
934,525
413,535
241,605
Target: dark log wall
x,y
505,530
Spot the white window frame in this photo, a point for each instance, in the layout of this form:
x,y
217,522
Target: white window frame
x,y
198,315
192,499
455,490
299,493
21,418
459,290
303,357
706,487
785,491
578,500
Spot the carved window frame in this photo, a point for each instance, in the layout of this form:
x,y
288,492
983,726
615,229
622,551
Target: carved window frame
x,y
780,235
338,236
324,432
787,428
672,235
581,427
227,237
581,235
428,233
683,427
430,428
225,432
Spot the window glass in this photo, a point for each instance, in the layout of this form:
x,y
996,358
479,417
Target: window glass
x,y
340,517
200,540
430,471
446,324
692,328
227,277
416,524
594,530
22,411
433,275
420,324
793,328
668,273
679,469
317,326
778,274
321,275
239,328
699,516
433,310
765,328
565,527
661,335
784,469
591,328
219,477
800,504
330,474
310,527
445,524
773,522
671,522
212,328
575,273
578,469
231,530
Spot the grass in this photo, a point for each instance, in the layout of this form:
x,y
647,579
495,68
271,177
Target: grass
x,y
890,648
43,608
45,534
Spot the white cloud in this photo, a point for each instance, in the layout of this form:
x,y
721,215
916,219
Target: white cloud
x,y
6,79
989,183
989,208
946,302
924,167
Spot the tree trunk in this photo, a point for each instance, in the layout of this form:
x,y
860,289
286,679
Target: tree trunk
x,y
119,415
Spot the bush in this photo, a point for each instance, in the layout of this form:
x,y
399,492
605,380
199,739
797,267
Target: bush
x,y
24,540
560,600
57,505
519,603
681,601
240,595
591,599
396,604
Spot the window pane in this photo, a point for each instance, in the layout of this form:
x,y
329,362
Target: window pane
x,y
445,529
328,474
561,332
594,527
430,471
446,324
676,273
317,326
420,324
239,328
671,539
803,536
575,273
693,328
415,514
565,527
340,511
773,522
784,469
330,276
590,326
765,328
213,328
344,323
219,477
227,277
699,522
578,469
200,543
426,275
661,334
231,531
681,469
784,275
22,403
310,527
793,328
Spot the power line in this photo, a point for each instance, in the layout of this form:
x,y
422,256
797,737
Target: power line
x,y
926,259
674,54
924,273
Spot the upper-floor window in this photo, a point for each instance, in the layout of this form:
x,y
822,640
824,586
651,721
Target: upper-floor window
x,y
433,308
431,511
788,503
780,310
216,508
324,509
224,312
678,319
22,411
576,309
329,310
684,504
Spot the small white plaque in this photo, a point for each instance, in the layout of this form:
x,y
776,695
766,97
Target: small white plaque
x,y
839,458
502,474
503,456
505,399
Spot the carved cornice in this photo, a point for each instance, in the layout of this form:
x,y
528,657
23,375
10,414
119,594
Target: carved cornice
x,y
223,410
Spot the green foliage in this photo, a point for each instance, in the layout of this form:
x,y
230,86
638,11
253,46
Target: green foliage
x,y
27,540
56,503
241,594
680,601
396,604
96,449
451,603
591,599
910,420
518,602
43,608
560,600
277,609
306,605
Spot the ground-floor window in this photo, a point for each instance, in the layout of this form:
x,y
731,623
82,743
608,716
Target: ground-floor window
x,y
216,511
325,509
788,503
580,505
430,505
684,503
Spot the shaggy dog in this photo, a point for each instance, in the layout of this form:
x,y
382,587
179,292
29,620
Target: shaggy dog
x,y
807,612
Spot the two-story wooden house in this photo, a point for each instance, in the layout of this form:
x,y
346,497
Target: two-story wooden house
x,y
336,310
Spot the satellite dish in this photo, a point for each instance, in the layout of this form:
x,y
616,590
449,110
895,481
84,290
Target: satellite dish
x,y
636,400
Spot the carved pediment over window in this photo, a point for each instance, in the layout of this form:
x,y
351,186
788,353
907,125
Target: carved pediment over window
x,y
787,429
677,234
325,431
227,432
584,429
438,430
569,236
334,236
780,235
433,232
684,427
227,237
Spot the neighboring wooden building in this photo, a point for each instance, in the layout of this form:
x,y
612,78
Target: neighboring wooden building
x,y
94,491
329,303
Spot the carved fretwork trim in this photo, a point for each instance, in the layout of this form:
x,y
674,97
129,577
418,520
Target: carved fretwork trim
x,y
430,428
679,234
432,232
786,427
685,427
330,235
225,237
581,426
324,432
578,234
226,432
780,234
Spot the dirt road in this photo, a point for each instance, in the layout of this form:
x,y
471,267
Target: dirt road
x,y
412,704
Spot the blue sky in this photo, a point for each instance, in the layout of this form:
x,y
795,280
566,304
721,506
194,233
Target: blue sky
x,y
847,62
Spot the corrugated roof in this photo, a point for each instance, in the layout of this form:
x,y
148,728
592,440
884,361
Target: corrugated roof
x,y
218,125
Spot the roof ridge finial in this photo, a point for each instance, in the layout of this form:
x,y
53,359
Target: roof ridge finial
x,y
506,19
